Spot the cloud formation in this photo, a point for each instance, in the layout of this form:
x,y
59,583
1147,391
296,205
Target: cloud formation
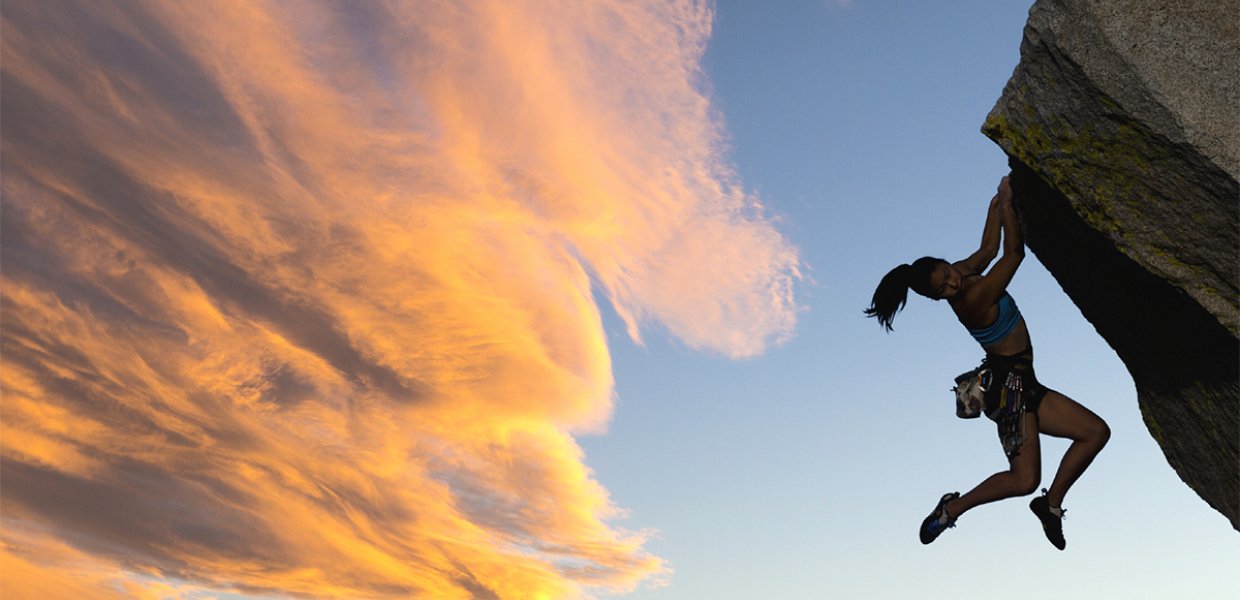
x,y
299,299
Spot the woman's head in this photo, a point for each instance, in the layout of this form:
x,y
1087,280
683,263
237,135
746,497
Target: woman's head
x,y
892,292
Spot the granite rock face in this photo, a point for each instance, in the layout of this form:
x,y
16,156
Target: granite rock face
x,y
1122,126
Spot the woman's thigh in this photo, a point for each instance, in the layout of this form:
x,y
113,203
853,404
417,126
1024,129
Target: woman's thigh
x,y
1063,417
1027,464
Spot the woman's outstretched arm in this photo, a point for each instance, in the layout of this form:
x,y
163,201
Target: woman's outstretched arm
x,y
992,285
978,261
988,289
1013,238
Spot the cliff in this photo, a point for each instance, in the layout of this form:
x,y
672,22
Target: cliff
x,y
1122,126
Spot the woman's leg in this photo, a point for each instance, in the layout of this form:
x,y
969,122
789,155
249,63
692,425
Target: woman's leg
x,y
1060,416
1021,478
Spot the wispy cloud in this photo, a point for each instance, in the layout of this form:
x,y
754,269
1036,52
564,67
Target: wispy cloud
x,y
297,298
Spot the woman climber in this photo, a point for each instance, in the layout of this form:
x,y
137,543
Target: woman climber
x,y
1020,405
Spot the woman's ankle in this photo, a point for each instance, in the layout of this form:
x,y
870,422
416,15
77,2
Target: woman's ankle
x,y
954,509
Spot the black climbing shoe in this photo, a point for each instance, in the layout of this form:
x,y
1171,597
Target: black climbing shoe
x,y
938,520
1052,524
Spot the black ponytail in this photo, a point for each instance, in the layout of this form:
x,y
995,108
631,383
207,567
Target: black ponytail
x,y
892,292
891,295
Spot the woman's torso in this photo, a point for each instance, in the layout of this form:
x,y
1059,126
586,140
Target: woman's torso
x,y
976,318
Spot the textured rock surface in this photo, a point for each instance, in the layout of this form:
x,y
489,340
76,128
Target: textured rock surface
x,y
1122,124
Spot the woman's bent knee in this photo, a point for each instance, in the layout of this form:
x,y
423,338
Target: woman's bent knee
x,y
1101,434
1024,484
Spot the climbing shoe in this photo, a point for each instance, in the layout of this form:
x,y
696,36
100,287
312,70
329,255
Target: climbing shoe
x,y
1052,524
938,521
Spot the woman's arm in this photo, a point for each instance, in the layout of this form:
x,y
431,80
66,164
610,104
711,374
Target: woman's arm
x,y
1013,238
989,248
992,285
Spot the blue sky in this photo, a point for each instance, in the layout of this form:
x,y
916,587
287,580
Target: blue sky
x,y
805,472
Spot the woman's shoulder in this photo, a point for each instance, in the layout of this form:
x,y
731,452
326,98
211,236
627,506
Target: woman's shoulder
x,y
973,306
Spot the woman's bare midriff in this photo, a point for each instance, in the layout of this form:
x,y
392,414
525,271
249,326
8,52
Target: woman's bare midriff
x,y
1015,343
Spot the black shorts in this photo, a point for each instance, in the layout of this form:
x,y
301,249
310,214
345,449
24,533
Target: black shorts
x,y
1014,391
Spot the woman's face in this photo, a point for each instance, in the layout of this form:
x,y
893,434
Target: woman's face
x,y
945,281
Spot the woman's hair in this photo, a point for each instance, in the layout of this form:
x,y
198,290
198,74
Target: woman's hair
x,y
892,292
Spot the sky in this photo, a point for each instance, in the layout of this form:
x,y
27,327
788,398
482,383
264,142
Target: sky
x,y
526,300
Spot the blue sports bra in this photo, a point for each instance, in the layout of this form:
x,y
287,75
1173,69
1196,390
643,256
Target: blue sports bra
x,y
1009,315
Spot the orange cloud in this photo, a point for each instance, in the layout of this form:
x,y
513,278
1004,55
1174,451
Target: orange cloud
x,y
299,299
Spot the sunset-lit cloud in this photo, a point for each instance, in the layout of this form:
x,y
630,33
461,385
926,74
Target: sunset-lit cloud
x,y
303,299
